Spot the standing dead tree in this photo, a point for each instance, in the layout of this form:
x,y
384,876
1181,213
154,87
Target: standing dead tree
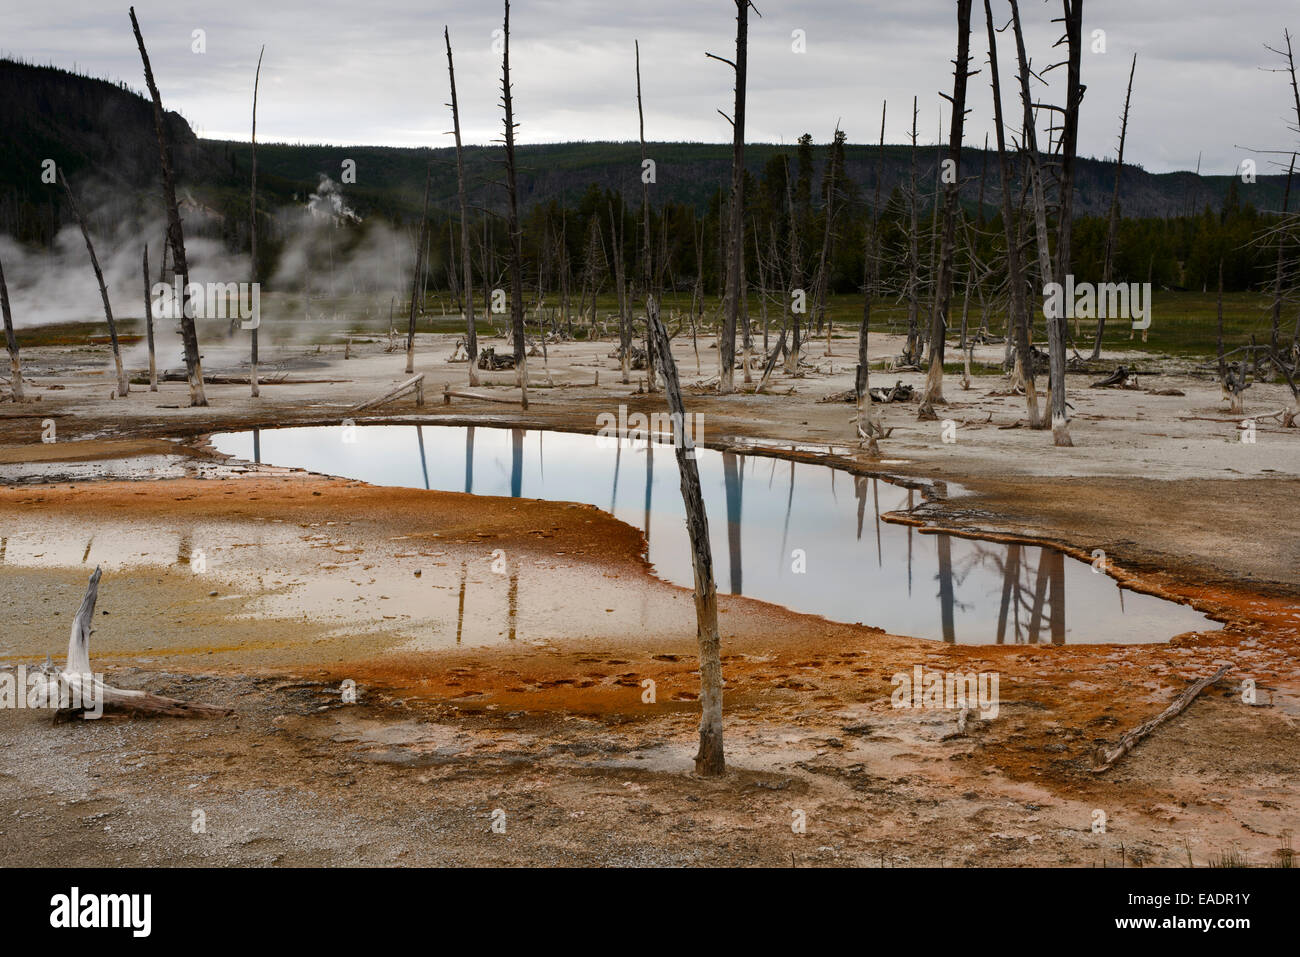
x,y
709,760
951,177
148,322
123,387
512,220
419,268
1053,269
1112,225
11,342
620,289
796,280
471,334
175,234
1018,306
252,230
736,229
912,349
647,267
868,428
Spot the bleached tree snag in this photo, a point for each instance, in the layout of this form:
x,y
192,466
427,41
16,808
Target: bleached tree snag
x,y
796,280
415,278
11,342
1019,307
175,233
123,387
414,384
709,760
1130,740
1276,310
471,334
512,219
77,683
647,267
148,323
736,223
1112,226
952,184
252,228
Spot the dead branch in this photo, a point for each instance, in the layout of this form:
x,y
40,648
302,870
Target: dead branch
x,y
1176,707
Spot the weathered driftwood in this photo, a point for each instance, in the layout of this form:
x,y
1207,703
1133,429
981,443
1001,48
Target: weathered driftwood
x,y
1130,740
414,384
449,393
76,682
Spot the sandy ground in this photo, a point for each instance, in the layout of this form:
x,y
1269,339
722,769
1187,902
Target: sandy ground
x,y
310,582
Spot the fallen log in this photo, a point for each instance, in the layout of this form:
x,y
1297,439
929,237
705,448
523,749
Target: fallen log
x,y
77,684
414,384
1129,741
449,393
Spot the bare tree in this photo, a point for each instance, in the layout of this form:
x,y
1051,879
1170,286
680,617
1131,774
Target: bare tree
x,y
912,349
123,387
11,342
512,220
471,335
148,322
419,267
933,393
252,225
1112,226
709,760
647,268
1019,307
736,229
175,234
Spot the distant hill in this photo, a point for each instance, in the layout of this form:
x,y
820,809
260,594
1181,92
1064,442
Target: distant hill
x,y
103,133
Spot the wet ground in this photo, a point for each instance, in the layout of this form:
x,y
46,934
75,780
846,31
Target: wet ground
x,y
308,584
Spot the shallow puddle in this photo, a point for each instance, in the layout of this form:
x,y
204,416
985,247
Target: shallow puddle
x,y
805,536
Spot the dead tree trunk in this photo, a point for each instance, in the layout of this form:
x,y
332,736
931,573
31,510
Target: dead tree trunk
x,y
148,323
736,230
415,278
1275,313
952,185
620,288
709,760
1112,226
11,342
912,350
647,270
175,234
1043,237
868,428
123,387
512,221
252,229
796,280
471,334
823,278
1073,21
1019,307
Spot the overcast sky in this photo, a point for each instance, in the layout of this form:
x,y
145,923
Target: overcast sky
x,y
374,71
